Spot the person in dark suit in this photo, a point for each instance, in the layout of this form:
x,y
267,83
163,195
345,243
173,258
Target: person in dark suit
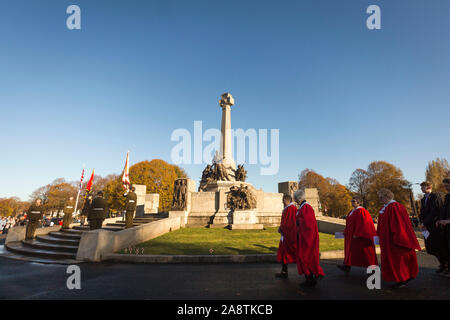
x,y
430,212
444,225
85,210
97,212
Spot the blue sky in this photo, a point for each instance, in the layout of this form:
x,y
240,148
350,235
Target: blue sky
x,y
341,95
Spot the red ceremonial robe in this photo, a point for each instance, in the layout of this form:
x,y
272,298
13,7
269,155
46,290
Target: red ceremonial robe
x,y
359,232
287,249
398,243
307,242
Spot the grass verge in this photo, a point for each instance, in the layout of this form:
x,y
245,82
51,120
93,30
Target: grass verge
x,y
205,241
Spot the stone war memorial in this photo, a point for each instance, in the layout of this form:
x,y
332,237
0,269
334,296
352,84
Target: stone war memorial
x,y
224,198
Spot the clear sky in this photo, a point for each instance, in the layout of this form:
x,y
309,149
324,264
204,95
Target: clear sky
x,y
341,95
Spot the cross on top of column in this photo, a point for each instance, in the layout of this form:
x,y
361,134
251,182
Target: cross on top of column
x,y
227,100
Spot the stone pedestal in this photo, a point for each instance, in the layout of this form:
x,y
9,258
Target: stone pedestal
x,y
288,187
151,203
141,191
312,196
182,214
222,218
245,219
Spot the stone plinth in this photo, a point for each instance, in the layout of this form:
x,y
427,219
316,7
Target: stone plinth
x,y
288,187
244,217
151,203
245,220
312,196
183,215
141,191
256,226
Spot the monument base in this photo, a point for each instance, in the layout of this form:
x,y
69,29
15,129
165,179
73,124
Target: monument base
x,y
182,214
244,217
247,226
223,217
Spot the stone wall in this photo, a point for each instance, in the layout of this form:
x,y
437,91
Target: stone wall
x,y
330,225
96,244
18,233
207,206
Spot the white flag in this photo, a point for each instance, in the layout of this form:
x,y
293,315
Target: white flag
x,y
126,178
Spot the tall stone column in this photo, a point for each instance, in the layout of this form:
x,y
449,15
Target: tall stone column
x,y
225,155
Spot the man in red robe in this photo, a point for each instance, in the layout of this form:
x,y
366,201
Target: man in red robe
x,y
398,242
359,232
287,249
307,241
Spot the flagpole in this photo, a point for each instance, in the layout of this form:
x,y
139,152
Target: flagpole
x,y
79,190
76,202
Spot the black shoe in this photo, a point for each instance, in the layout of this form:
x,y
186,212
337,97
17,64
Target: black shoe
x,y
281,275
344,268
445,273
441,269
399,285
309,282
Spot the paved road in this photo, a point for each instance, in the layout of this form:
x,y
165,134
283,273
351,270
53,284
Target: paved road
x,y
24,280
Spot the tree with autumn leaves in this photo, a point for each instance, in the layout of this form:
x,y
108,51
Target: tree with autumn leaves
x,y
380,174
435,172
55,194
335,198
159,177
12,206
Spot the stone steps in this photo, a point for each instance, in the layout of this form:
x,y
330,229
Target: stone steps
x,y
62,246
20,248
72,231
53,240
160,215
65,235
37,244
105,227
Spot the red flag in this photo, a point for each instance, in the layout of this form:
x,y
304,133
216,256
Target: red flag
x,y
125,176
89,185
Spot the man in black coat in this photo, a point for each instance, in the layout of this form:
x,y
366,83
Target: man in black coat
x,y
444,225
430,212
97,212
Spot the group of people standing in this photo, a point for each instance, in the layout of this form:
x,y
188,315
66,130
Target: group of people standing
x,y
94,209
6,223
299,242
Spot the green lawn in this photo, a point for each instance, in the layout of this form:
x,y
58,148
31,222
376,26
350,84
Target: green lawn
x,y
198,241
